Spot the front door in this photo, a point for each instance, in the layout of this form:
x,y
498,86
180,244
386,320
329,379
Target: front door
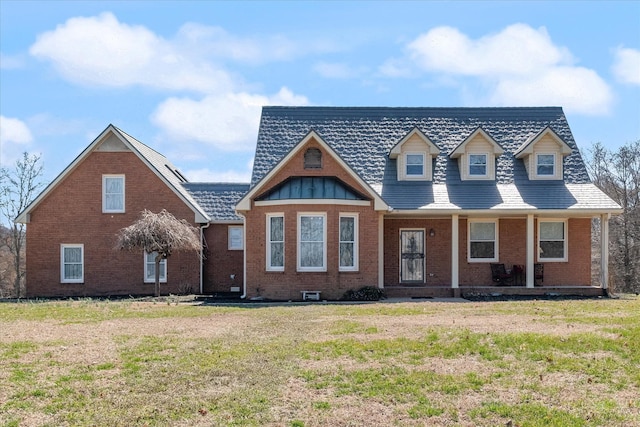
x,y
412,256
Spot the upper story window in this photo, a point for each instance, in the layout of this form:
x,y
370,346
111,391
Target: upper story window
x,y
313,159
113,193
545,164
478,165
414,164
414,154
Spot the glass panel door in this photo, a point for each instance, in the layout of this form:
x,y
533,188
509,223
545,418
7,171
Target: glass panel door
x,y
412,256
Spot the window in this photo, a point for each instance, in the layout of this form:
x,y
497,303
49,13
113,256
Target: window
x,y
477,165
348,251
113,193
552,240
312,253
415,165
483,241
235,239
275,245
313,159
72,263
150,268
545,164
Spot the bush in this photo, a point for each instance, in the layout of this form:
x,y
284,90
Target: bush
x,y
367,293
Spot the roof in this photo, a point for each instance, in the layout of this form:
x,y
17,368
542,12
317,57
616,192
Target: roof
x,y
364,136
218,199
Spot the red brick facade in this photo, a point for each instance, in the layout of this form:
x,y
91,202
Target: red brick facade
x,y
221,263
72,214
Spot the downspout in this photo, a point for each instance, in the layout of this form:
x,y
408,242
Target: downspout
x,y
244,255
202,254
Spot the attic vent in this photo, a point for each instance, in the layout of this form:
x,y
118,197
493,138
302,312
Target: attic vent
x,y
313,159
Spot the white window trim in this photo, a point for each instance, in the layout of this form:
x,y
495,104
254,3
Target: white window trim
x,y
322,268
566,240
268,245
423,175
486,166
153,280
554,175
230,245
62,248
356,249
496,240
104,194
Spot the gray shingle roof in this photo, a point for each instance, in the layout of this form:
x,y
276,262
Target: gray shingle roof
x,y
217,199
364,136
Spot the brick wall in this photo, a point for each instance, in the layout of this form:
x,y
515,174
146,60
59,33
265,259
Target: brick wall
x,y
72,213
287,285
220,262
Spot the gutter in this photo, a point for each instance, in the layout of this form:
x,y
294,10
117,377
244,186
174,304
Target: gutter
x,y
244,255
202,254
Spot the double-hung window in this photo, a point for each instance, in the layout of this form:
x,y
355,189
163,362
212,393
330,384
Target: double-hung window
x,y
552,240
235,238
312,242
483,241
72,263
113,193
275,242
478,165
415,167
545,165
348,234
150,268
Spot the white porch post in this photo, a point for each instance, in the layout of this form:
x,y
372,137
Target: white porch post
x,y
531,248
381,250
454,251
604,251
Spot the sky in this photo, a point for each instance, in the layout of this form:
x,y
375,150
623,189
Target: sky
x,y
189,78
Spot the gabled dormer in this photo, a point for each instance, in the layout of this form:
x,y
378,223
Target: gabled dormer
x,y
543,155
477,156
414,154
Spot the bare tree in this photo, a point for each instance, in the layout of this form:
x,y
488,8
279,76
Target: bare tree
x,y
18,188
617,173
161,233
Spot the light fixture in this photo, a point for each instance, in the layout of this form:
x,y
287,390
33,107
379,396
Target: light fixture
x,y
432,232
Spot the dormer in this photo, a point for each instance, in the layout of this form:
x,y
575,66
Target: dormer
x,y
543,155
477,156
414,154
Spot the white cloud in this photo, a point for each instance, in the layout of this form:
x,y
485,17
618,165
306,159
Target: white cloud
x,y
105,52
517,66
228,121
15,136
627,65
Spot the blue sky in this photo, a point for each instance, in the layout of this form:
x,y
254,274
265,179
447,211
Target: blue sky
x,y
189,78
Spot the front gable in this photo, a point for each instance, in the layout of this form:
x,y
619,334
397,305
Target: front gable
x,y
312,157
414,154
543,155
477,156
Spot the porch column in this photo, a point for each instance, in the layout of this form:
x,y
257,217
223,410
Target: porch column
x,y
454,251
531,248
381,250
604,251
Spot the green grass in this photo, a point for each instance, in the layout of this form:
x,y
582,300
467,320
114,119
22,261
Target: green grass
x,y
158,364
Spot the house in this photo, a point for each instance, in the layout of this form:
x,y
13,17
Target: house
x,y
418,201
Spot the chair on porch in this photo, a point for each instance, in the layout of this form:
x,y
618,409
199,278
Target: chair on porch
x,y
538,274
499,274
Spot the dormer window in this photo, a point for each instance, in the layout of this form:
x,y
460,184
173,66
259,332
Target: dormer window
x,y
543,155
477,155
414,154
478,165
415,165
545,164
